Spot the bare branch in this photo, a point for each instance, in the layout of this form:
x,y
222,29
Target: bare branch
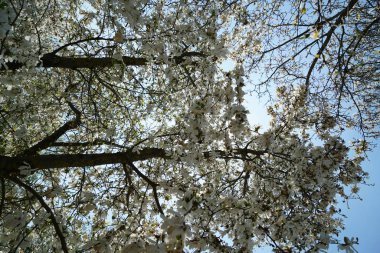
x,y
10,165
47,141
51,60
86,144
47,209
151,183
339,21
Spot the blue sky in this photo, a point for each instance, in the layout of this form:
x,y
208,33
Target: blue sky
x,y
363,216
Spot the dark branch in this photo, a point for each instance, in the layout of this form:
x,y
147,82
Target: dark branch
x,y
47,141
96,142
150,182
10,165
54,61
80,41
47,209
339,21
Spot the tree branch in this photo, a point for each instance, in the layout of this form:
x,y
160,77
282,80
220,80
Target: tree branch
x,y
10,165
80,41
150,182
96,142
47,209
339,21
51,60
47,141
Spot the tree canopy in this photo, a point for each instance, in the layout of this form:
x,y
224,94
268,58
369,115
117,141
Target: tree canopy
x,y
122,131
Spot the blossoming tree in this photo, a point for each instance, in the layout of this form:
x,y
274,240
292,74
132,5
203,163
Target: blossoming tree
x,y
122,132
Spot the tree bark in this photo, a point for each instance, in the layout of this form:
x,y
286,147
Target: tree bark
x,y
54,61
10,165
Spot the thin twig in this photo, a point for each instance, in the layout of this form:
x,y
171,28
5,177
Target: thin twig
x,y
150,182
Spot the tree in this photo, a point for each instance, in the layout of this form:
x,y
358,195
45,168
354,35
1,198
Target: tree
x,y
122,132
